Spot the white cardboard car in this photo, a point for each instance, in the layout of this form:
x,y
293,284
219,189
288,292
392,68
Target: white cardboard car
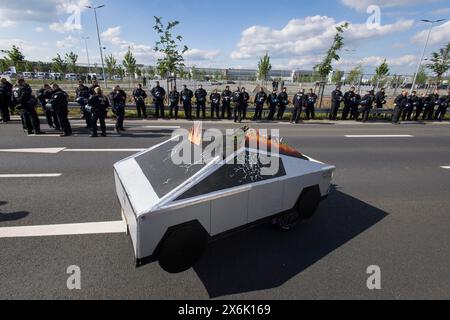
x,y
173,211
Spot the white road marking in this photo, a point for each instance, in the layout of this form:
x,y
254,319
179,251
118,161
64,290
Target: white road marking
x,y
39,175
34,150
446,167
380,136
64,230
104,150
162,127
46,135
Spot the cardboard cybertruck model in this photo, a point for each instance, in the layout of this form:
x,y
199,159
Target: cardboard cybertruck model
x,y
174,209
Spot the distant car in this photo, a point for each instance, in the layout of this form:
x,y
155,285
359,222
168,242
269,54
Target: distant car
x,y
216,83
407,86
116,78
71,77
172,211
443,87
55,76
231,82
43,75
28,75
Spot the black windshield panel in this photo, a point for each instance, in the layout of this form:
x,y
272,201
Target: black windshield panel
x,y
230,176
161,171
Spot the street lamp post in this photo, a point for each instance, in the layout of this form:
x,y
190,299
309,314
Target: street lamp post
x,y
99,40
424,50
87,52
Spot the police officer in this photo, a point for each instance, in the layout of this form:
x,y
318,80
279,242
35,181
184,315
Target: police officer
x,y
158,94
299,102
366,105
99,104
433,102
226,103
5,99
380,99
283,102
238,100
423,104
186,99
26,103
139,96
349,101
413,103
401,103
215,104
442,107
44,95
260,100
355,105
174,99
272,101
200,96
93,86
245,99
311,105
336,99
83,94
60,105
119,98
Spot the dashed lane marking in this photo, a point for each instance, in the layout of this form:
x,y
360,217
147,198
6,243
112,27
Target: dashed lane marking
x,y
38,175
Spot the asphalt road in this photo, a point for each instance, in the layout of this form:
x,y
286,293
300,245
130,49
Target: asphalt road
x,y
390,207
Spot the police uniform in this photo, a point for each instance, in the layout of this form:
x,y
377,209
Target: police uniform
x,y
44,95
186,99
60,104
215,105
119,99
5,100
200,96
441,111
299,103
413,103
272,101
429,110
349,98
82,96
245,99
26,103
139,96
336,99
99,104
174,99
401,103
158,94
260,100
366,106
311,105
283,101
238,101
226,103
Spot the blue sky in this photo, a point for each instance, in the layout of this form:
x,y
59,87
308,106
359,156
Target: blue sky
x,y
230,33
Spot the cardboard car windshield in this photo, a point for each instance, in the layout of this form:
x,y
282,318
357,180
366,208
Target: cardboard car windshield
x,y
173,207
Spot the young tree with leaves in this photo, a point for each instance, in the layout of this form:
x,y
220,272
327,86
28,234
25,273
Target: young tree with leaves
x,y
381,73
59,64
71,62
264,67
16,58
440,62
422,76
354,75
326,66
129,63
111,65
170,47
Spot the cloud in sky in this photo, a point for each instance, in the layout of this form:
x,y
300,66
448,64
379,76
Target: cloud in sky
x,y
362,5
303,36
439,35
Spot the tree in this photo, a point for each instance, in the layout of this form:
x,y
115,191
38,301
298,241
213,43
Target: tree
x,y
354,76
422,76
325,67
4,65
15,57
381,73
59,65
129,63
71,61
170,47
440,62
337,76
29,66
111,65
264,67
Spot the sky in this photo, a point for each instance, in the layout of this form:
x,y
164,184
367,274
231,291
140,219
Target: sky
x,y
233,33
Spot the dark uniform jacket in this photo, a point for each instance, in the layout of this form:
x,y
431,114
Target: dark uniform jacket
x,y
260,98
99,103
272,100
158,93
226,95
401,101
215,98
186,96
139,95
60,101
283,99
299,100
380,100
174,97
201,95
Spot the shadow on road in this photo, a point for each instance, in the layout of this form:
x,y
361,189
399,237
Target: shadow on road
x,y
264,258
13,216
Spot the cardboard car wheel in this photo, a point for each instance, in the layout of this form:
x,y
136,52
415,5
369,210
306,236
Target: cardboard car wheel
x,y
309,202
182,248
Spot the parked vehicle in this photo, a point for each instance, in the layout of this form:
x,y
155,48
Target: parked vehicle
x,y
71,77
43,75
28,75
